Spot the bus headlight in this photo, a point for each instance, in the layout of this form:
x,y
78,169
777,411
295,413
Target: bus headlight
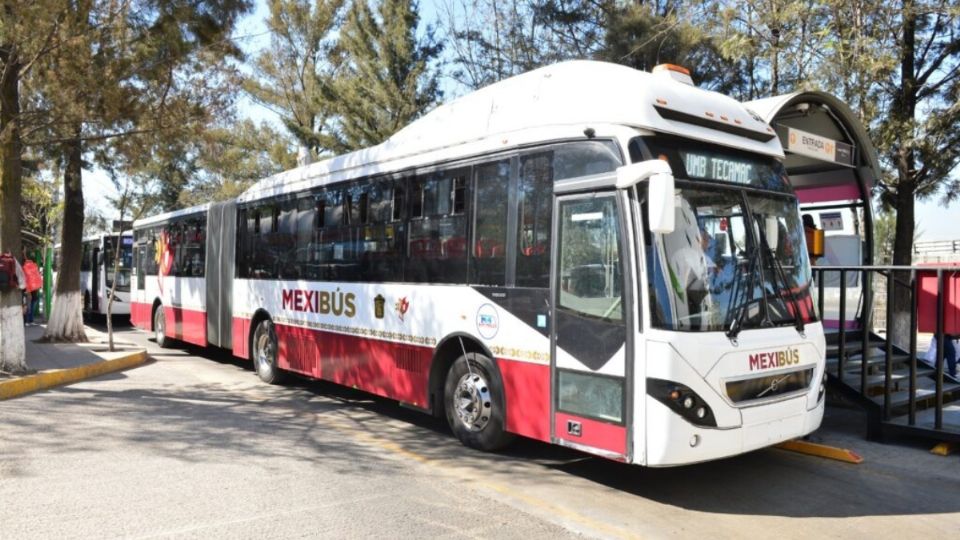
x,y
683,401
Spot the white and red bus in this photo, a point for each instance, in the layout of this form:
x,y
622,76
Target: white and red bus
x,y
586,254
97,275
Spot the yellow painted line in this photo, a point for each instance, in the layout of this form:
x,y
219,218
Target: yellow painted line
x,y
945,448
341,424
821,450
58,377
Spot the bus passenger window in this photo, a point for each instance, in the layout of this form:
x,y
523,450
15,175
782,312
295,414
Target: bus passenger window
x,y
492,183
533,240
436,246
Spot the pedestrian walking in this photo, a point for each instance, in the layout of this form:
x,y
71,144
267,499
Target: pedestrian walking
x,y
33,283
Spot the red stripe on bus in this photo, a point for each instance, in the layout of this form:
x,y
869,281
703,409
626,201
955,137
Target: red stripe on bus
x,y
593,433
393,370
240,333
399,371
527,389
186,325
140,315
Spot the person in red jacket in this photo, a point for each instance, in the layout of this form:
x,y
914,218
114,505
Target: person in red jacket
x,y
34,281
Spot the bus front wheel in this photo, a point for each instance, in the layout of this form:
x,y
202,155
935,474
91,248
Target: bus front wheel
x,y
265,353
474,403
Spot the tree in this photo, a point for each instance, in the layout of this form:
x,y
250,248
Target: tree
x,y
643,35
287,76
117,71
232,158
25,31
387,78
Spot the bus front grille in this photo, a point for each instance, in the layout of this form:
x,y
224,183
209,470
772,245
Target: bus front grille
x,y
772,386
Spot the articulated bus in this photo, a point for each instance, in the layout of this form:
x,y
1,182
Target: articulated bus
x,y
97,272
585,254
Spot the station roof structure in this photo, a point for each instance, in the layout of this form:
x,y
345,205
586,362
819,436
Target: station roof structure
x,y
829,155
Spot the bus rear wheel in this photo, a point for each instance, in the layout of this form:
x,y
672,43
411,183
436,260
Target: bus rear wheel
x,y
475,404
265,353
160,328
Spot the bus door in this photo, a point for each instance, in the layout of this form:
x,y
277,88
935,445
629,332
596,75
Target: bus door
x,y
589,346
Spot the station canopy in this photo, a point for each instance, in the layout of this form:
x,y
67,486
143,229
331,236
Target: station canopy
x,y
829,156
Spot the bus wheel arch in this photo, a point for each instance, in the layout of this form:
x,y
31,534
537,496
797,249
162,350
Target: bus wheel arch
x,y
264,348
444,355
474,380
475,403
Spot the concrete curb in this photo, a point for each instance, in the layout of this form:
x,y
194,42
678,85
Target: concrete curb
x,y
58,377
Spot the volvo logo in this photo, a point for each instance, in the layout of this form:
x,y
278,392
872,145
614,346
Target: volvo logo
x,y
774,385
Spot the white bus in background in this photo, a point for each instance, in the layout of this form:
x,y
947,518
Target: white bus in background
x,y
586,254
97,272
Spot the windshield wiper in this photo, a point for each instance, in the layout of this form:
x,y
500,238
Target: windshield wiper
x,y
736,324
779,273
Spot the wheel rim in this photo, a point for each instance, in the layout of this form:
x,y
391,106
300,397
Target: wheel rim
x,y
265,349
158,326
472,401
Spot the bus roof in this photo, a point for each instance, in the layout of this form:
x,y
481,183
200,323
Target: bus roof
x,y
160,218
577,93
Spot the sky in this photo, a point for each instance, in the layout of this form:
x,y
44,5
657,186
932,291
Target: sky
x,y
934,221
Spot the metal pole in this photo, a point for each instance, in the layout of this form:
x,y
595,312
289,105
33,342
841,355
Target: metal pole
x,y
914,300
865,319
842,344
820,293
888,366
938,411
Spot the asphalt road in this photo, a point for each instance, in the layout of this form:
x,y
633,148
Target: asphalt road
x,y
193,445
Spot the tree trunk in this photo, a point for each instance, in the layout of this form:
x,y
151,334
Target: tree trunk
x,y
905,160
12,346
66,317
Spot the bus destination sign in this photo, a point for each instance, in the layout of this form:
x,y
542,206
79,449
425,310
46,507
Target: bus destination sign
x,y
722,168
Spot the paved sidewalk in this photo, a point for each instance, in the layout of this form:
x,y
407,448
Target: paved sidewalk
x,y
58,364
44,356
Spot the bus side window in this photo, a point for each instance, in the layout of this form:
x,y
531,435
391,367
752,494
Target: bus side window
x,y
491,190
533,241
437,246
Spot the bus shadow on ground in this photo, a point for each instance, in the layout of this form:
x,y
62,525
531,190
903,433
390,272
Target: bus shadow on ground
x,y
213,421
905,480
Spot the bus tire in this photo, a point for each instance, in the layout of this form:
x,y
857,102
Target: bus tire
x,y
160,328
475,404
264,353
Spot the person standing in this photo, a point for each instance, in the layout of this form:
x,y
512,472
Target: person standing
x,y
33,283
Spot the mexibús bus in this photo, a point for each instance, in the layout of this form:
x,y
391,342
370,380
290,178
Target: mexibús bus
x,y
585,254
97,272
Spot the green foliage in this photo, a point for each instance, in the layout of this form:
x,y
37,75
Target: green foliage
x,y
287,75
233,157
387,78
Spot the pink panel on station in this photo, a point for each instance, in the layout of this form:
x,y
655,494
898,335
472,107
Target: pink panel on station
x,y
842,192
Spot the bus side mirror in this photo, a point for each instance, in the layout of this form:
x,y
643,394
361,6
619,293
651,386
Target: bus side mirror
x,y
772,231
661,204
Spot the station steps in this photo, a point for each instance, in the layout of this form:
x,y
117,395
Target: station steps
x,y
849,381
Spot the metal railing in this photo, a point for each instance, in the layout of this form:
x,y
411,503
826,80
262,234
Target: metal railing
x,y
898,278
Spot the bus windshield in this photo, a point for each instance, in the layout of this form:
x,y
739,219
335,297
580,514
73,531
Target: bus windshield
x,y
736,260
124,266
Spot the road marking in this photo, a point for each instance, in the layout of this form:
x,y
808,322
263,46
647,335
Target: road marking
x,y
340,424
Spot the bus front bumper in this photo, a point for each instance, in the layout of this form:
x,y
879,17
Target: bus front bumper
x,y
671,440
